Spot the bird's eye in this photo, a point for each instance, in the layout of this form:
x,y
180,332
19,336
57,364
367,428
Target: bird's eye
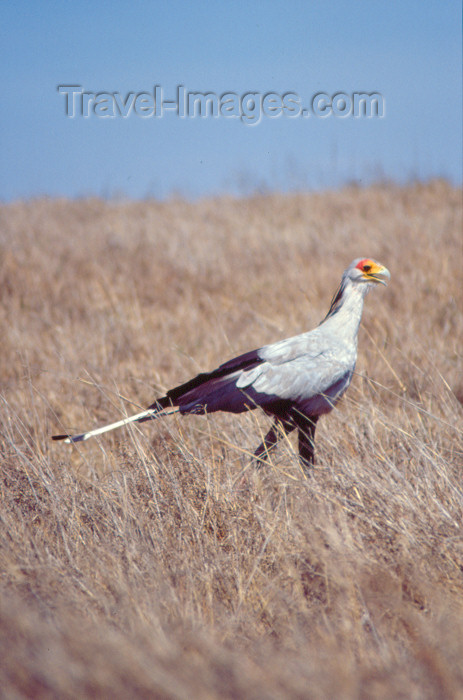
x,y
366,268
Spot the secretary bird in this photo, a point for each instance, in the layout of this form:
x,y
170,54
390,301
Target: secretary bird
x,y
296,380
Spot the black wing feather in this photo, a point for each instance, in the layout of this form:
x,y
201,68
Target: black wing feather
x,y
178,395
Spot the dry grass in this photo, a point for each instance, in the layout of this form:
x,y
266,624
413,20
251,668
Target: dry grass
x,y
133,566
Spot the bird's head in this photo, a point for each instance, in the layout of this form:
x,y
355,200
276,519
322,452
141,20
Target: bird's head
x,y
364,270
361,274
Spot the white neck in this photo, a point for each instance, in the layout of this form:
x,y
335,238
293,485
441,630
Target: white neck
x,y
346,310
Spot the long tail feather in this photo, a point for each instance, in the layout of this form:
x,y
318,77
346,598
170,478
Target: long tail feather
x,y
149,414
201,393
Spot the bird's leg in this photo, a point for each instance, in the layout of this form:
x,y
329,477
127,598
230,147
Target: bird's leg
x,y
306,436
270,440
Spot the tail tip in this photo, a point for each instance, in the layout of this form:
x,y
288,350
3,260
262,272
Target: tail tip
x,y
71,438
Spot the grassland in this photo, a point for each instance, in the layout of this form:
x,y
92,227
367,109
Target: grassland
x,y
155,562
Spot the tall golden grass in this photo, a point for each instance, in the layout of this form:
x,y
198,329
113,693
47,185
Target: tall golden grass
x,y
156,562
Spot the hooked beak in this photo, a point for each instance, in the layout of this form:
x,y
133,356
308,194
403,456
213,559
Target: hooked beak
x,y
378,273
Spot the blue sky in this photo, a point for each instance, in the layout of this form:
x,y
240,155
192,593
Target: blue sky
x,y
409,52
